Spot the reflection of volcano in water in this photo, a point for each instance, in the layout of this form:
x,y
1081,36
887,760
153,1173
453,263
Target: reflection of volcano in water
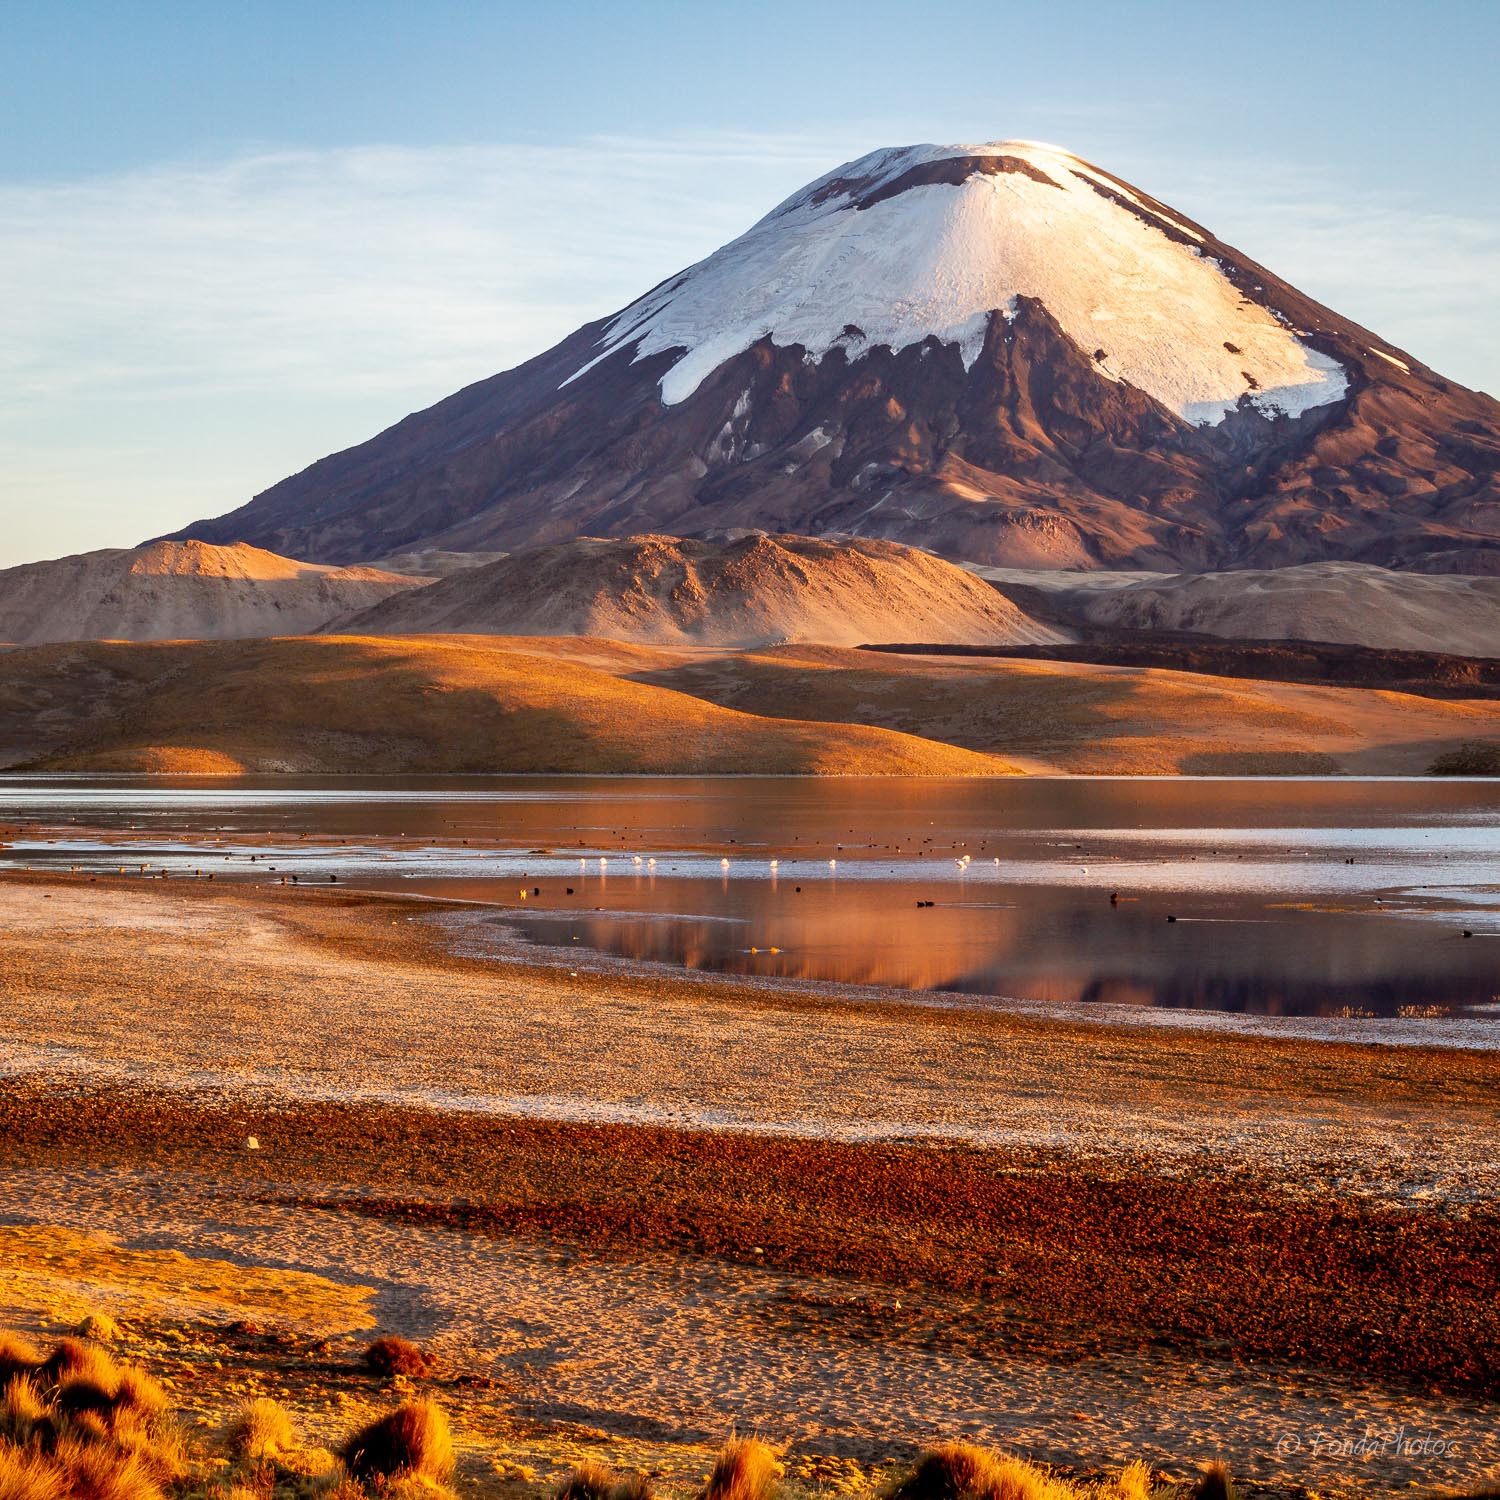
x,y
1292,898
1041,943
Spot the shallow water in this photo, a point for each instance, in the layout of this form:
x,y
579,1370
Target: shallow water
x,y
1289,897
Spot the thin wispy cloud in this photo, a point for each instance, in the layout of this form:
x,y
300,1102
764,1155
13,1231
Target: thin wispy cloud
x,y
174,338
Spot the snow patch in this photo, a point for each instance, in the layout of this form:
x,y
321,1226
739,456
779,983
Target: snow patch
x,y
936,261
1391,359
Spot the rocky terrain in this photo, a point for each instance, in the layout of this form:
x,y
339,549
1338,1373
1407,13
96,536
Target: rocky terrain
x,y
1001,353
752,590
181,591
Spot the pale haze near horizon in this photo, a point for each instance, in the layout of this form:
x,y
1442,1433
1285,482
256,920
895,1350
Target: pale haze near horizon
x,y
234,244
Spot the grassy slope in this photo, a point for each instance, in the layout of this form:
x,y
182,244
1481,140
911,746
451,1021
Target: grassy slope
x,y
497,704
350,704
1096,719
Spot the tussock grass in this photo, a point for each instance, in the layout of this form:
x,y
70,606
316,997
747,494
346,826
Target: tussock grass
x,y
17,1357
412,1440
73,1358
78,1394
22,1411
1214,1483
595,1482
26,1475
746,1469
74,1426
587,1482
96,1471
963,1471
260,1430
390,1355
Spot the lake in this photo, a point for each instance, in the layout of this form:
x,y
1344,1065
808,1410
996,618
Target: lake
x,y
1267,897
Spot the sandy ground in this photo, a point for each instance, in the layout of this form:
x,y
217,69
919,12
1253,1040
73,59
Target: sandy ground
x,y
284,1002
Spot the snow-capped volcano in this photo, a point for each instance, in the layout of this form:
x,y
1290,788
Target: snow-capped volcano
x,y
1000,353
930,241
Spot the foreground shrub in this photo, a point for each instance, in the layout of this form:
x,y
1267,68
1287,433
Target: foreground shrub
x,y
745,1469
97,1471
390,1355
595,1482
414,1439
22,1411
587,1482
17,1357
961,1471
1214,1483
75,1359
260,1430
140,1393
26,1475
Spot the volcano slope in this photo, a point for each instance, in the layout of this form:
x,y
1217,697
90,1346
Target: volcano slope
x,y
999,352
336,704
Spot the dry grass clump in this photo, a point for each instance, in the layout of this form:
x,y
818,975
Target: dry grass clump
x,y
390,1355
746,1469
22,1410
26,1475
260,1430
1214,1483
17,1357
962,1471
587,1482
412,1440
75,1425
595,1482
73,1358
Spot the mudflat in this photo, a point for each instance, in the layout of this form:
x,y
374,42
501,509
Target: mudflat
x,y
661,1205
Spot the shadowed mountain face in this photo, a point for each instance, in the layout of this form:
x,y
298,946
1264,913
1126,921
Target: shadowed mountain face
x,y
1000,353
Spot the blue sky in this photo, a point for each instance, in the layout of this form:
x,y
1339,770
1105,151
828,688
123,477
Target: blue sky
x,y
236,236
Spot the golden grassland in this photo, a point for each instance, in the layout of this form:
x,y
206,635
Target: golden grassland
x,y
444,704
340,704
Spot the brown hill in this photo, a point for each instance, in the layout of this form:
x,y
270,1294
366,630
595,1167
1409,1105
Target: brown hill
x,y
749,591
329,704
333,704
181,591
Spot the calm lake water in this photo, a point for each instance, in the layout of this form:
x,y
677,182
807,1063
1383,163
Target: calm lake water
x,y
1288,897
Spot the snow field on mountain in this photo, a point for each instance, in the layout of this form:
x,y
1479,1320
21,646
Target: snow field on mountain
x,y
935,261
